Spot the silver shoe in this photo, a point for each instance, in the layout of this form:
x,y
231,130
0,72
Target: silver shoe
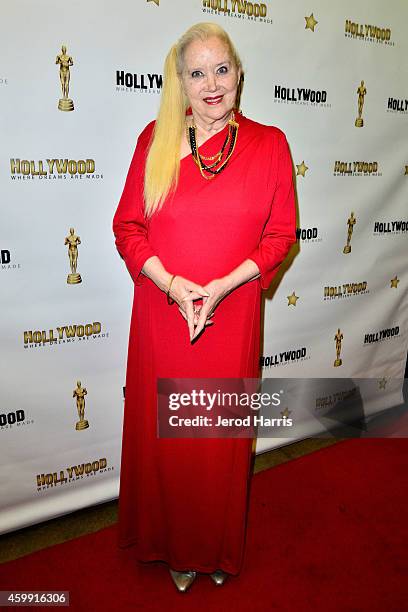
x,y
183,580
219,577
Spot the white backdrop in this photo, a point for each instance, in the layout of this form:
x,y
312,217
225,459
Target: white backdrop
x,y
48,467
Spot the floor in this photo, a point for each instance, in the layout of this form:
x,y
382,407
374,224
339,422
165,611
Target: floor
x,y
28,540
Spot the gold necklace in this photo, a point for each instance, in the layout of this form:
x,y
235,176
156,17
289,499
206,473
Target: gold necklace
x,y
231,136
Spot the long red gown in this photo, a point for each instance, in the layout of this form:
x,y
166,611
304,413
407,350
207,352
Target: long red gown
x,y
184,500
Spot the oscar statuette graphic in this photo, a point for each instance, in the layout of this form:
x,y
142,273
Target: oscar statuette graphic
x,y
361,93
79,393
338,338
64,61
72,241
351,221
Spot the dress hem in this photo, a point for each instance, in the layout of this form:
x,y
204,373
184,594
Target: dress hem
x,y
192,566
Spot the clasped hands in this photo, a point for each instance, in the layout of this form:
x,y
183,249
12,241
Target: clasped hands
x,y
186,292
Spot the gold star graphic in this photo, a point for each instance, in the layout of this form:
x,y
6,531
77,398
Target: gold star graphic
x,y
394,282
301,169
286,412
155,1
310,23
382,383
292,299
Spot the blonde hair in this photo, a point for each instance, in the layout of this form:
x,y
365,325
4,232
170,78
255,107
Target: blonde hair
x,y
163,160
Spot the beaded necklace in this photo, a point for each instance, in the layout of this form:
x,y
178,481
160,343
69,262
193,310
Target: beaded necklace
x,y
230,138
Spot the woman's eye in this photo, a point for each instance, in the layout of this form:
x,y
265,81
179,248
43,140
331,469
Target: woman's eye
x,y
196,73
223,69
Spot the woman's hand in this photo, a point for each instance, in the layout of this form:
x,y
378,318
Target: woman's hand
x,y
184,292
217,289
196,315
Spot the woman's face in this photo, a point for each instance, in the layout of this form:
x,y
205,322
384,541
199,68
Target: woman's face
x,y
210,78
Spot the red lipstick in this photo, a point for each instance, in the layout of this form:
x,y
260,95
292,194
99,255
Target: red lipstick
x,y
213,99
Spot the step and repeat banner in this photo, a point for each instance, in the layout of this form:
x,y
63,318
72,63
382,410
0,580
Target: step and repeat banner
x,y
78,83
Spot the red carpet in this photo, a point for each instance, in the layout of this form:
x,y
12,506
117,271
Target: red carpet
x,y
327,532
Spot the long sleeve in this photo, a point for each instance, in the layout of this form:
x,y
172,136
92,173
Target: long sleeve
x,y
279,232
129,224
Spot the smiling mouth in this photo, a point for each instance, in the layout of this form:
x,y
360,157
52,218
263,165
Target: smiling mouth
x,y
213,100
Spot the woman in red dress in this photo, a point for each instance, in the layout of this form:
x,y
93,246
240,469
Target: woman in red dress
x,y
206,217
